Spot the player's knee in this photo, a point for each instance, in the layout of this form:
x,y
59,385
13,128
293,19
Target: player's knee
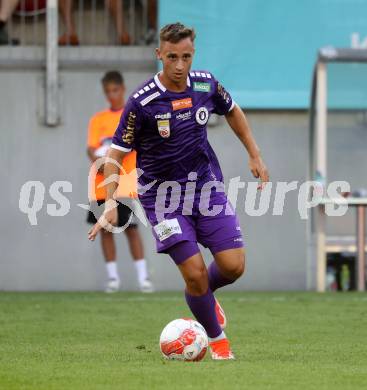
x,y
197,281
241,264
237,267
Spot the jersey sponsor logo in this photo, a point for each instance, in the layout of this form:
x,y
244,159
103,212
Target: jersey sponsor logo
x,y
163,128
167,228
181,103
202,115
128,134
184,116
223,93
167,115
201,87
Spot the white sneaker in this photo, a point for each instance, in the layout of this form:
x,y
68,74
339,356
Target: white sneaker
x,y
147,286
112,286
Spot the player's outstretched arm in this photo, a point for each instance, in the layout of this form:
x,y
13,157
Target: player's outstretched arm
x,y
111,170
237,121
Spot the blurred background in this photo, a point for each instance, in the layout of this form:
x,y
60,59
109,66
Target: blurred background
x,y
52,57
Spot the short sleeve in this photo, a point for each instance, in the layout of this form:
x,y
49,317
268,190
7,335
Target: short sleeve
x,y
93,140
129,125
223,102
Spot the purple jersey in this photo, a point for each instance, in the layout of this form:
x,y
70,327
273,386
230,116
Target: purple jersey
x,y
169,129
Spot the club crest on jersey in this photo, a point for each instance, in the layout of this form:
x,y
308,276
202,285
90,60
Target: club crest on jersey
x,y
202,115
181,103
163,128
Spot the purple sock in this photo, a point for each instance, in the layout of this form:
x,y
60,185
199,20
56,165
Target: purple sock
x,y
216,279
203,308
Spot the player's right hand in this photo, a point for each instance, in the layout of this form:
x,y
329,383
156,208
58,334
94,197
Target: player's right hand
x,y
108,218
101,169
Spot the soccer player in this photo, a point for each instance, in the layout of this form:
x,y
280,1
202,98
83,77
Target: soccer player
x,y
165,122
102,127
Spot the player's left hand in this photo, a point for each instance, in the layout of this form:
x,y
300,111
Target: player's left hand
x,y
109,217
259,170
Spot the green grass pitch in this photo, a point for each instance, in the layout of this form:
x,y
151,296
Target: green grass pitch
x,y
97,341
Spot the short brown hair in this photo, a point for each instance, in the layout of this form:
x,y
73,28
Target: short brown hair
x,y
113,76
175,32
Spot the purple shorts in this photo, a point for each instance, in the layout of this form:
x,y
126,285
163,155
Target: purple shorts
x,y
217,232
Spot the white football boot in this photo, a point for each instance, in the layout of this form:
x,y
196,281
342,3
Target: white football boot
x,y
147,287
112,286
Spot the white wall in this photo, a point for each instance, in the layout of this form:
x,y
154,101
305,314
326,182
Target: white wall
x,y
56,254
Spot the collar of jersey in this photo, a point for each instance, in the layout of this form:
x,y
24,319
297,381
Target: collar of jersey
x,y
162,87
